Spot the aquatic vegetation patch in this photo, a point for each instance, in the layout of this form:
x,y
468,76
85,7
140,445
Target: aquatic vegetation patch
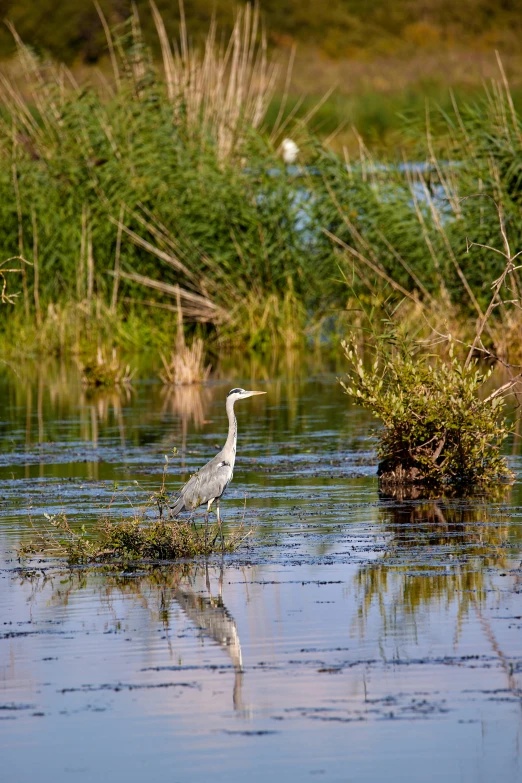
x,y
186,365
129,540
437,428
187,362
148,536
106,370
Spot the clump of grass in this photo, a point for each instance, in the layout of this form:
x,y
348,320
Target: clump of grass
x,y
187,362
149,535
104,370
224,91
98,238
125,540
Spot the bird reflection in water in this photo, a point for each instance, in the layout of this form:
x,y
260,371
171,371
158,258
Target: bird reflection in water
x,y
156,591
210,615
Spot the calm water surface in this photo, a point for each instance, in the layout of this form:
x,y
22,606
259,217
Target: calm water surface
x,y
357,638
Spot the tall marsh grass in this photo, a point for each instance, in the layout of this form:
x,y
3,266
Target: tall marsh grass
x,y
166,181
140,189
186,365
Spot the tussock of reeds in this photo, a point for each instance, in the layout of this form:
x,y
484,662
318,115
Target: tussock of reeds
x,y
147,536
225,91
187,362
104,370
128,540
186,365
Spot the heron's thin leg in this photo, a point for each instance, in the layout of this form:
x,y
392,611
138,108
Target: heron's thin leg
x,y
209,505
220,525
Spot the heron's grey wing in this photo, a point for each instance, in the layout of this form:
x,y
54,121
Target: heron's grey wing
x,y
208,483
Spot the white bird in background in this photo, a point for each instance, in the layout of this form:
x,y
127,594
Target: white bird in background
x,y
290,151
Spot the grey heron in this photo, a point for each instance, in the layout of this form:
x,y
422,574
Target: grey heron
x,y
210,481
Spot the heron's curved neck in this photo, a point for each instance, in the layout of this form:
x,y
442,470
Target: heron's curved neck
x,y
230,445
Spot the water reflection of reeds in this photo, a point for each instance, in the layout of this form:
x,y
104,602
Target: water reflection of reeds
x,y
99,404
437,551
53,392
188,404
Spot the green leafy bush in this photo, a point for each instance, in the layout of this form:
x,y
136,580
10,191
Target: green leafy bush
x,y
437,429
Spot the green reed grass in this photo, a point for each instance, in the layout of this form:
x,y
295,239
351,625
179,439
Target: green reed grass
x,y
167,181
156,184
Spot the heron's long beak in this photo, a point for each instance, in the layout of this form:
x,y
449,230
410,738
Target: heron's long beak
x,y
252,393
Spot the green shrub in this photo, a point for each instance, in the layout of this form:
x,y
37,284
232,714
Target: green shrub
x,y
437,429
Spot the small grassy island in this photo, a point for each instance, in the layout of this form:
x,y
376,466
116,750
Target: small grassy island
x,y
437,429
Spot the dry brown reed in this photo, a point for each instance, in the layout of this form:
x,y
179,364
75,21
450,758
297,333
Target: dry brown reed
x,y
187,362
106,370
198,294
186,365
226,89
5,296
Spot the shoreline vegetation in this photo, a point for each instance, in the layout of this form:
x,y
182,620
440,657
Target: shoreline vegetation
x,y
155,209
165,188
440,429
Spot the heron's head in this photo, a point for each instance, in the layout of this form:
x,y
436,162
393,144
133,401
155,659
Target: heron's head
x,y
241,394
